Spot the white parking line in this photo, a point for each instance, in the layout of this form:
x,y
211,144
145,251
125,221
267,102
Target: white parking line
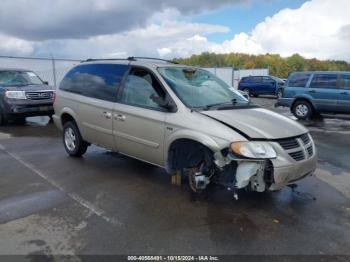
x,y
83,202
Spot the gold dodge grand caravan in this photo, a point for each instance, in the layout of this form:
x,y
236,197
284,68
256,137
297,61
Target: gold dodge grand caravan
x,y
181,118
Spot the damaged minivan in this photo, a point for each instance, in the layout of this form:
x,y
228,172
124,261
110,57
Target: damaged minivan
x,y
181,118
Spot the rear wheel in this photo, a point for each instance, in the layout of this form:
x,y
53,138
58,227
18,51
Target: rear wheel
x,y
302,109
73,141
247,91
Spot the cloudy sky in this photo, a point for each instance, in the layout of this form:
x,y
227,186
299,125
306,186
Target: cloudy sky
x,y
174,28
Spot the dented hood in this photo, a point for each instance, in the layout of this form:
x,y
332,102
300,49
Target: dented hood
x,y
258,123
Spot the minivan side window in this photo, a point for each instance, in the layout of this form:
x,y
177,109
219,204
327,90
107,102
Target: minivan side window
x,y
324,81
139,86
298,80
100,81
345,81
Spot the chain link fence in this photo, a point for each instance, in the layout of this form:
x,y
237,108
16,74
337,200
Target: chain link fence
x,y
232,76
50,70
53,70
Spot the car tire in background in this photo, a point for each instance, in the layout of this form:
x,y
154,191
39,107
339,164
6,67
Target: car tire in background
x,y
279,93
73,141
247,91
302,109
3,119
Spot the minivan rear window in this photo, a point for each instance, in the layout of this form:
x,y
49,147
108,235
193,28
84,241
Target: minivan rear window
x,y
298,79
99,81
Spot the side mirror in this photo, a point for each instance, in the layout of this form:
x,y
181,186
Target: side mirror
x,y
46,83
166,102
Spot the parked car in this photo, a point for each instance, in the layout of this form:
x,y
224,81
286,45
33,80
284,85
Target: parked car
x,y
261,85
23,94
181,118
309,93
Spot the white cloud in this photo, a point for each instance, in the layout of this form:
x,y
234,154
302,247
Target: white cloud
x,y
164,51
65,19
167,39
319,28
15,46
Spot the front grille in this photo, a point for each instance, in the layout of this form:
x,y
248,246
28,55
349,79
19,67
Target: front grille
x,y
297,156
288,143
305,138
310,150
299,148
39,95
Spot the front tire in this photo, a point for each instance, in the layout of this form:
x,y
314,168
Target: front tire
x,y
73,142
279,93
20,120
3,119
302,109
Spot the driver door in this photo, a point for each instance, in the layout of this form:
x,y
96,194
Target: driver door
x,y
139,123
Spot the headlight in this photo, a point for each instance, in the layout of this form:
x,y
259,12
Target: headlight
x,y
258,150
15,94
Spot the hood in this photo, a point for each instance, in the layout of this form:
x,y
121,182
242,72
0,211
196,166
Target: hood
x,y
258,123
30,88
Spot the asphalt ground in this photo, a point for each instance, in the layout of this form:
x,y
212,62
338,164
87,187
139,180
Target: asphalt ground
x,y
105,203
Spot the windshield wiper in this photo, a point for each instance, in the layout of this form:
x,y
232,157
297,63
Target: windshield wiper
x,y
233,102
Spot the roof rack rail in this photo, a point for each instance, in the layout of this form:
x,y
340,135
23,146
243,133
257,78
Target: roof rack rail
x,y
134,58
101,59
130,58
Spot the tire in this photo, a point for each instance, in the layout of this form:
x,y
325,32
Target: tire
x,y
51,118
302,109
247,91
3,119
72,140
279,93
20,121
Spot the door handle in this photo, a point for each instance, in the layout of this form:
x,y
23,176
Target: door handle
x,y
312,91
107,115
119,117
344,93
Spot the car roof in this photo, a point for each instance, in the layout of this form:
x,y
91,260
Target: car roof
x,y
322,72
146,62
14,69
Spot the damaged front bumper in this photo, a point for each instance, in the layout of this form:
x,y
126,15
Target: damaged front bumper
x,y
286,175
271,174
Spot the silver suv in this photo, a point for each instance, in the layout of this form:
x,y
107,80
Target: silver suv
x,y
181,118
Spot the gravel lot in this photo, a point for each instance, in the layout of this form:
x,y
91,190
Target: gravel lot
x,y
106,203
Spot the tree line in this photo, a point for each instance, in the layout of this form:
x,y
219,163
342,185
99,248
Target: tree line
x,y
278,66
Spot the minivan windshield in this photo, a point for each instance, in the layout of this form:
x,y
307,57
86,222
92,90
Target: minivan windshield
x,y
19,78
198,88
